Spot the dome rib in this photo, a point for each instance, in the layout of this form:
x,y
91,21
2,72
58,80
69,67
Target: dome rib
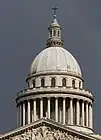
x,y
54,59
65,58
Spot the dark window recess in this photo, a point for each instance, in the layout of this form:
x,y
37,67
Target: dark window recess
x,y
51,33
73,83
54,33
53,82
33,83
64,82
42,82
79,84
58,33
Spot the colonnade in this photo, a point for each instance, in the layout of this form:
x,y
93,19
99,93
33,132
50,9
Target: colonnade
x,y
63,110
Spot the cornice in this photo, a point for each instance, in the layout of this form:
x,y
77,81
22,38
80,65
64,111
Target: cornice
x,y
50,90
54,73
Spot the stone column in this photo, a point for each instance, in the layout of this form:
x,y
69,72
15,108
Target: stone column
x,y
41,108
56,109
68,119
20,114
64,110
90,116
23,113
52,32
77,112
28,111
34,109
87,119
48,108
71,111
82,122
60,111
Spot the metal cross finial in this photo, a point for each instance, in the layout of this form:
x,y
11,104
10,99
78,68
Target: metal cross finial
x,y
54,10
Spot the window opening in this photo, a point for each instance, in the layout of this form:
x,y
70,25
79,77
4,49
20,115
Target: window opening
x,y
53,82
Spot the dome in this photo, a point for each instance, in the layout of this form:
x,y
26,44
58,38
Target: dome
x,y
55,59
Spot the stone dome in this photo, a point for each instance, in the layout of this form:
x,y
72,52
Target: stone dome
x,y
55,59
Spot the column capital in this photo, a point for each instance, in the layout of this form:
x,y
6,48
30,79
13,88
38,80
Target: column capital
x,y
40,98
64,97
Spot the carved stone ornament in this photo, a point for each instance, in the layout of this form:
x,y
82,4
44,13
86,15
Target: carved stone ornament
x,y
44,133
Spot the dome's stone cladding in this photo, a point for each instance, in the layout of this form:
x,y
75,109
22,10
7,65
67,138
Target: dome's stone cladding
x,y
55,59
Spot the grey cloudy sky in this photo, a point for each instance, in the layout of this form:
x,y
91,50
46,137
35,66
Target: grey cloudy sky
x,y
23,34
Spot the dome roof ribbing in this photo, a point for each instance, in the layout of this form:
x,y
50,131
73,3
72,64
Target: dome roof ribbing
x,y
55,59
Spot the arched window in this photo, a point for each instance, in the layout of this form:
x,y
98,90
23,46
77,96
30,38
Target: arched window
x,y
42,82
33,83
73,83
79,84
64,82
53,82
54,33
58,33
50,33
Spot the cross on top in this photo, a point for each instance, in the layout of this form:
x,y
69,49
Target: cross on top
x,y
54,10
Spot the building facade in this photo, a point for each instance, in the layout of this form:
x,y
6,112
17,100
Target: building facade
x,y
55,105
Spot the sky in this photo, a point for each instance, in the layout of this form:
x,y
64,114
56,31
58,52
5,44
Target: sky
x,y
23,34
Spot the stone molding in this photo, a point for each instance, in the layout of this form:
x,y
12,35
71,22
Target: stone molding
x,y
54,73
58,90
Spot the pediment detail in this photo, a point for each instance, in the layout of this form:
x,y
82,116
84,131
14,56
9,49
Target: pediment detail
x,y
45,130
44,133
